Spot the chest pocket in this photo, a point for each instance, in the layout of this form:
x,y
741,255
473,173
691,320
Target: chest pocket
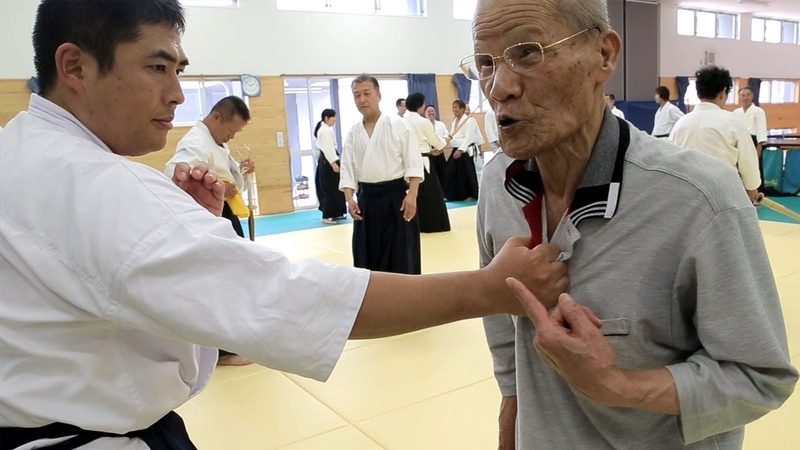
x,y
617,332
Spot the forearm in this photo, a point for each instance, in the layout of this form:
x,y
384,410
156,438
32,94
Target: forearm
x,y
413,186
648,390
396,304
348,194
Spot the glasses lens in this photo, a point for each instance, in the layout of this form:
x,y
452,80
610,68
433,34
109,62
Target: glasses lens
x,y
525,56
478,67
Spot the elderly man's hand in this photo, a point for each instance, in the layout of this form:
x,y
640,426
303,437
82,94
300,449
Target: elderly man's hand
x,y
537,268
202,184
570,340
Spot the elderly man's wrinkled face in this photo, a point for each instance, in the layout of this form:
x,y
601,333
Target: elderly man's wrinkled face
x,y
550,104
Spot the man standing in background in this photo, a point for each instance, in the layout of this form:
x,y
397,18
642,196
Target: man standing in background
x,y
667,113
611,100
490,126
401,107
755,119
381,162
460,178
207,142
716,132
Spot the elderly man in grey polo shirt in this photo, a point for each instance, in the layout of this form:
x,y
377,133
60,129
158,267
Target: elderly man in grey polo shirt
x,y
663,246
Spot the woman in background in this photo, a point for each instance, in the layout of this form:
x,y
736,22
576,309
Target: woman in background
x,y
331,199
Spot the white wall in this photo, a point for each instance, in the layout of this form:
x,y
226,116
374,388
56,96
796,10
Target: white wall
x,y
257,38
682,55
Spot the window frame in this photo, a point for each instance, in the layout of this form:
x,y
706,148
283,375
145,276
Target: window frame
x,y
205,109
765,21
211,3
718,15
770,100
732,99
458,10
329,6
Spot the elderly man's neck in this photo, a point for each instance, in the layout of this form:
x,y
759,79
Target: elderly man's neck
x,y
563,168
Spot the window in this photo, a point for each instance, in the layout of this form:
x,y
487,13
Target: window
x,y
778,91
415,8
211,3
201,95
305,100
477,101
757,30
691,97
707,24
464,9
774,31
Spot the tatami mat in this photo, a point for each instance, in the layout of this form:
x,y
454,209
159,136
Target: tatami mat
x,y
432,389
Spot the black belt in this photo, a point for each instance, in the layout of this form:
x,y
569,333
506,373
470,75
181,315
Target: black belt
x,y
660,135
169,433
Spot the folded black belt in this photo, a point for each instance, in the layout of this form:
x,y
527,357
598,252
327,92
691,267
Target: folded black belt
x,y
169,433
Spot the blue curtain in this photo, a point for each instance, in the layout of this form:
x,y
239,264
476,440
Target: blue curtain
x,y
464,86
755,85
683,86
33,85
424,83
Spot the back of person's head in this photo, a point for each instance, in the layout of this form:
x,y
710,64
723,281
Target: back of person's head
x,y
711,81
663,93
326,114
98,27
415,101
230,108
364,78
460,104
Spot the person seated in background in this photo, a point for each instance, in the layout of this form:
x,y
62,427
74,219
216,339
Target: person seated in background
x,y
611,100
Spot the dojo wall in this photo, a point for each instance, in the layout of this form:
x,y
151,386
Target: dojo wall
x,y
682,55
257,38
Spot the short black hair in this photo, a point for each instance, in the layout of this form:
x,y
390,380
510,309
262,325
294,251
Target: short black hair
x,y
711,80
230,107
363,78
399,102
97,27
611,97
461,105
415,101
663,93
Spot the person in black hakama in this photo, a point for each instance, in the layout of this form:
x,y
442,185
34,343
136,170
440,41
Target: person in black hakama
x,y
437,159
460,179
381,162
431,209
331,199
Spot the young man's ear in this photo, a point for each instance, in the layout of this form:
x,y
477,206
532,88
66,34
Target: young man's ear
x,y
73,65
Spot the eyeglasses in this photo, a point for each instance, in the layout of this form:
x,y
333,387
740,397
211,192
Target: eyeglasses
x,y
522,57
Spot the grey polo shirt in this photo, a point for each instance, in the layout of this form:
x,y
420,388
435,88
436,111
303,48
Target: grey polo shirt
x,y
664,246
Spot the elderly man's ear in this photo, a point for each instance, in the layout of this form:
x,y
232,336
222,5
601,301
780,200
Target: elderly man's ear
x,y
610,50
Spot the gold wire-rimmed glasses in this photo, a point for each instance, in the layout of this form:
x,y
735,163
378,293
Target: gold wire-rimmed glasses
x,y
522,57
